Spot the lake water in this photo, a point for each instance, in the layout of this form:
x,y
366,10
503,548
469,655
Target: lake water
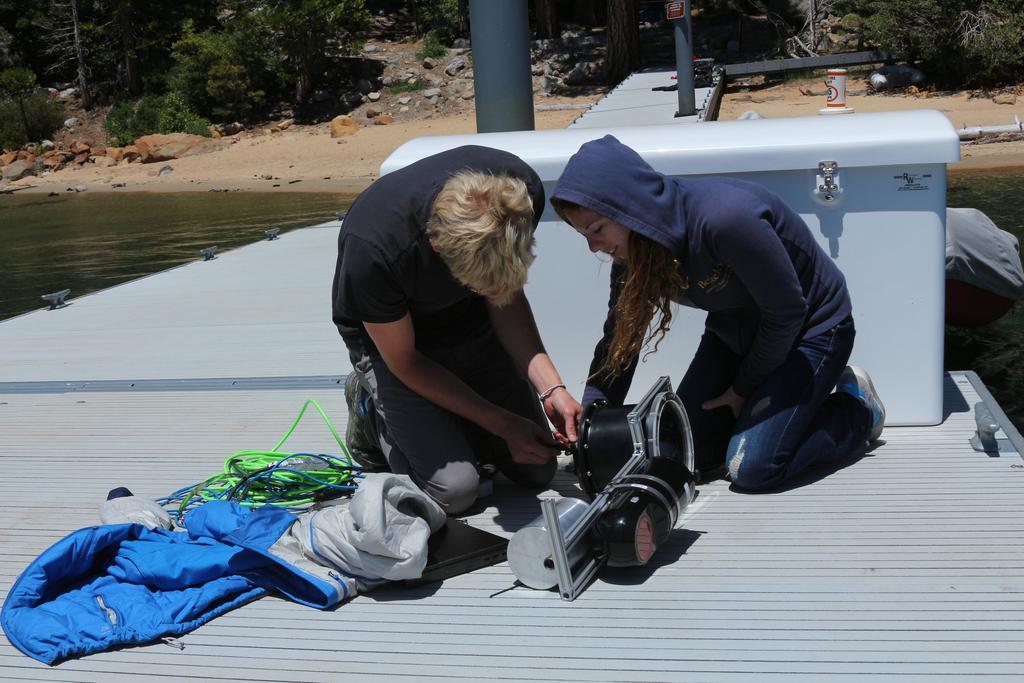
x,y
996,351
90,242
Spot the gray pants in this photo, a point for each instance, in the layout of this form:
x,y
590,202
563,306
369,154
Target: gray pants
x,y
439,449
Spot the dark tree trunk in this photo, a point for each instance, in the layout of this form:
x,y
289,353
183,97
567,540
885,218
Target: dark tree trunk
x,y
24,117
547,18
132,72
83,84
414,15
463,18
585,12
623,40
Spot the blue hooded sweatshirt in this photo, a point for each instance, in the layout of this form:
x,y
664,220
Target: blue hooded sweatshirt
x,y
744,255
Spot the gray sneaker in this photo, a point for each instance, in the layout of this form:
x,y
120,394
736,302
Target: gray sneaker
x,y
857,382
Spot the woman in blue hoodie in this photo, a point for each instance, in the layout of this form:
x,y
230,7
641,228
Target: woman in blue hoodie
x,y
779,329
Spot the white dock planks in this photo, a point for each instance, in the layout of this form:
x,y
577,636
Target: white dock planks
x,y
905,565
260,311
633,103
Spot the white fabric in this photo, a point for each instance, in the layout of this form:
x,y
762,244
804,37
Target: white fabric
x,y
980,254
134,510
381,534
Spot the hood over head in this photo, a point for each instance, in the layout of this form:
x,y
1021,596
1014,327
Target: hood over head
x,y
610,178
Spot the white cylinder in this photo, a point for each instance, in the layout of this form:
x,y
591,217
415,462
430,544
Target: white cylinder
x,y
836,84
530,554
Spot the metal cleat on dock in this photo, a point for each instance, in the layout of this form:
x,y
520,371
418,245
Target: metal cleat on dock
x,y
208,253
984,439
56,300
272,234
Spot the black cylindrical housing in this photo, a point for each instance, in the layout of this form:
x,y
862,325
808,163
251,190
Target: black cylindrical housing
x,y
626,532
605,445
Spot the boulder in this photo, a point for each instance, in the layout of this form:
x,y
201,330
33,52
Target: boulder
x,y
286,124
154,148
71,122
455,66
404,100
373,97
431,93
370,48
383,120
1005,98
8,158
78,146
53,163
371,112
103,162
343,125
81,158
429,63
130,153
578,75
18,170
46,145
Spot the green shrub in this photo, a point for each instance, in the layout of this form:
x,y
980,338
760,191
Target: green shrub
x,y
852,21
129,120
229,74
231,93
440,17
404,86
175,116
44,115
956,42
432,47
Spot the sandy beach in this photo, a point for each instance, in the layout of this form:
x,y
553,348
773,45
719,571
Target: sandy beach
x,y
307,159
299,159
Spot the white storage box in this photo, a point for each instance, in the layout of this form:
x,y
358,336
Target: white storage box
x,y
884,226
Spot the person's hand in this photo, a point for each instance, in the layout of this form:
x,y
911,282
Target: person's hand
x,y
564,412
729,398
528,443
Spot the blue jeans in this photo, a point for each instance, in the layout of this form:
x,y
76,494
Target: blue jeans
x,y
789,423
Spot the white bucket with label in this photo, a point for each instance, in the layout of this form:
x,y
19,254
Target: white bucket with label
x,y
835,96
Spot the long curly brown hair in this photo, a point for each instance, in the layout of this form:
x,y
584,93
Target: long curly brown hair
x,y
651,279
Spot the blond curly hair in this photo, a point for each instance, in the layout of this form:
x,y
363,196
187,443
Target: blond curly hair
x,y
482,227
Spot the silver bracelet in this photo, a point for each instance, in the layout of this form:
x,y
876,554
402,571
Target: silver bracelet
x,y
547,394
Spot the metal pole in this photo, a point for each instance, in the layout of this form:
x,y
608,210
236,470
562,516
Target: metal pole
x,y
684,61
500,34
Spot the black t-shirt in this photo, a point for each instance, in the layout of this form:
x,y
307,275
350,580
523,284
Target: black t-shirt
x,y
386,266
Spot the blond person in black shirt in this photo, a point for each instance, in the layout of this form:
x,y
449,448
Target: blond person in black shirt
x,y
428,296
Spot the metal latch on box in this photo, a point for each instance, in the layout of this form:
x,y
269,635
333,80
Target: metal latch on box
x,y
827,181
